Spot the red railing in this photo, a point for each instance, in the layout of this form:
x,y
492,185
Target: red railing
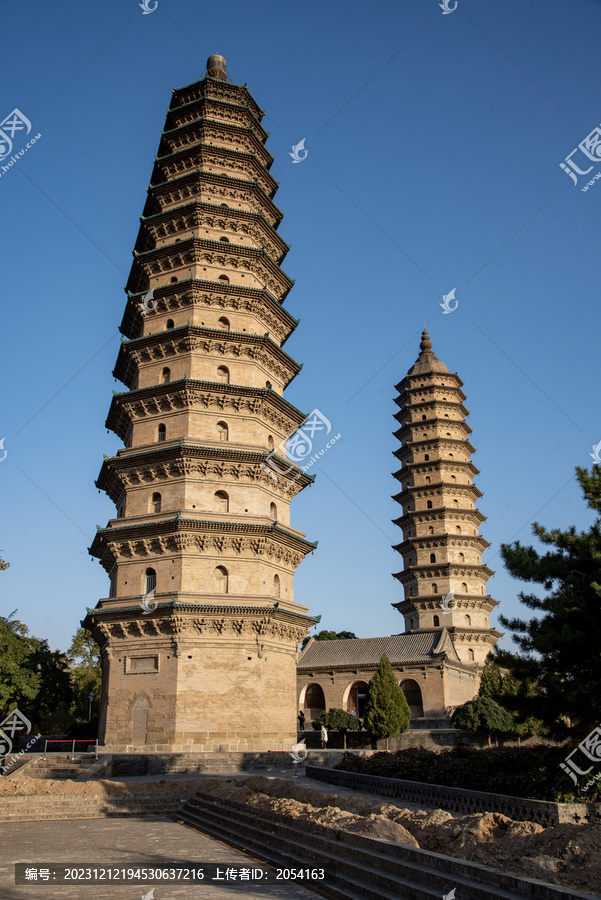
x,y
73,742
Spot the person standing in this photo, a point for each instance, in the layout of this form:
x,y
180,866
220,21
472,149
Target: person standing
x,y
301,720
324,737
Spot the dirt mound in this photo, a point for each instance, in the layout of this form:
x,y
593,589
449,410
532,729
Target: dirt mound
x,y
382,827
568,855
334,817
22,785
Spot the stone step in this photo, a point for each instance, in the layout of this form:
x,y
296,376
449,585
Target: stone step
x,y
36,807
54,774
365,867
302,854
387,878
53,766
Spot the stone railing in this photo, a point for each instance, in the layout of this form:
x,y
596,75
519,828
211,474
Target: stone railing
x,y
459,800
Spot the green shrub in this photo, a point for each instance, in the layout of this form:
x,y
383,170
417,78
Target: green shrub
x,y
529,772
483,714
338,719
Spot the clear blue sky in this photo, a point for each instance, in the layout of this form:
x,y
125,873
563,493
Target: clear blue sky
x,y
434,144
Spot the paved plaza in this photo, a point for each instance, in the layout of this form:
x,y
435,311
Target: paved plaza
x,y
128,842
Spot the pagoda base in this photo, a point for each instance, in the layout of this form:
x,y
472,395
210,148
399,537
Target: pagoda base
x,y
226,744
179,682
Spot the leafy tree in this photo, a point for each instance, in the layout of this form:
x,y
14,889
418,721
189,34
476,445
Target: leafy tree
x,y
40,682
19,682
514,693
330,636
86,672
338,719
386,710
483,714
559,645
56,689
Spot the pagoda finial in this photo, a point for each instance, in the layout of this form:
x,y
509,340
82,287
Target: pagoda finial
x,y
426,343
216,67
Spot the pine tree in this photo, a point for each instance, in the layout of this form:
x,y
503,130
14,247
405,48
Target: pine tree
x,y
560,645
513,693
491,682
483,714
386,710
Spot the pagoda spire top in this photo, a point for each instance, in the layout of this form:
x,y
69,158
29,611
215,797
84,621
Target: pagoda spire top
x,y
427,361
216,67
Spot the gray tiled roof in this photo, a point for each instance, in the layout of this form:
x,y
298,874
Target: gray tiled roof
x,y
401,649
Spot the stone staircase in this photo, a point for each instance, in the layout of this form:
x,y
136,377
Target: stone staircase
x,y
360,868
41,807
58,767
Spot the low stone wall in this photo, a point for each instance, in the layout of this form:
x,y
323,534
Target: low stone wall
x,y
38,807
118,765
460,800
122,764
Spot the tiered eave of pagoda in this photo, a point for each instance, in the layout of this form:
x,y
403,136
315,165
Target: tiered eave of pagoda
x,y
187,393
208,131
174,460
426,516
192,184
165,345
242,224
181,256
190,292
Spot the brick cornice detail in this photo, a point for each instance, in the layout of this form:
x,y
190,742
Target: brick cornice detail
x,y
229,399
129,631
166,345
166,537
120,473
172,297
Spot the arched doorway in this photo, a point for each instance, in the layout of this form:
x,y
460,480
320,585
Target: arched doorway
x,y
140,723
357,698
412,692
315,702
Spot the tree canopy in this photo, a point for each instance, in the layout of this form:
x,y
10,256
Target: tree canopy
x,y
85,671
330,636
386,710
337,718
19,681
514,692
483,714
51,688
559,645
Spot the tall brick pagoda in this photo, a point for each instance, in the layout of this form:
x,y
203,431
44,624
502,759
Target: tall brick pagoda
x,y
441,547
200,631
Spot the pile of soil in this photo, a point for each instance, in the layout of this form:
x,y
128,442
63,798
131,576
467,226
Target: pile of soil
x,y
566,855
18,785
